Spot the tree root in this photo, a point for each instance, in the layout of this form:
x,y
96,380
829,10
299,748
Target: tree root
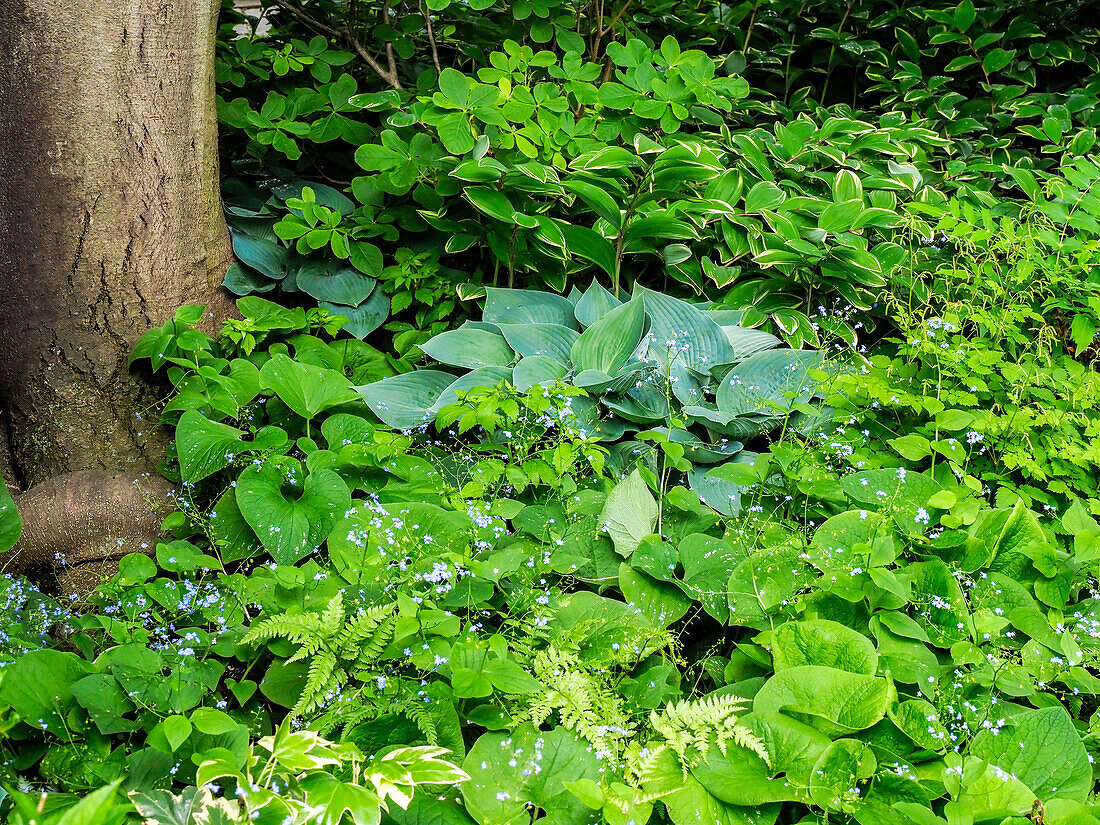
x,y
77,526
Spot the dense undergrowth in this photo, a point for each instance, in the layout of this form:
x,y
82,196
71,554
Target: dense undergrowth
x,y
668,413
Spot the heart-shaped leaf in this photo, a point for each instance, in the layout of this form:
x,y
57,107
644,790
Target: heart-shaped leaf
x,y
304,388
291,527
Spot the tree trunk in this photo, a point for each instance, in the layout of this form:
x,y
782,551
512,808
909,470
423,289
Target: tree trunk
x,y
110,218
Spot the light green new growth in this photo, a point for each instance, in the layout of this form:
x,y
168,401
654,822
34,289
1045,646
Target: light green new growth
x,y
689,728
339,649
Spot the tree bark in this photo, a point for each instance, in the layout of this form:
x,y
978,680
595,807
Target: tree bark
x,y
110,218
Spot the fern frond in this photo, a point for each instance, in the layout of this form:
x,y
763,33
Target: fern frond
x,y
320,680
332,619
296,627
419,713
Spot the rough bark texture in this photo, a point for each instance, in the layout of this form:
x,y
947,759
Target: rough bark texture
x,y
110,218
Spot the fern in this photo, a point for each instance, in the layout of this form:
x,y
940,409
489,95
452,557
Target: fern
x,y
338,648
689,727
583,701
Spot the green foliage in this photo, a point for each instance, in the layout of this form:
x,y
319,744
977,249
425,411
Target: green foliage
x,y
617,551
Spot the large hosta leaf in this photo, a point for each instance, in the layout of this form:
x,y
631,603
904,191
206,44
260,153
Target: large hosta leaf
x,y
482,377
470,348
527,306
334,283
537,369
550,340
365,318
676,325
608,343
405,401
595,303
291,526
762,383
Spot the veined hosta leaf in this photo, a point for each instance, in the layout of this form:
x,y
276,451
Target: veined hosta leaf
x,y
747,341
836,702
405,401
481,377
304,388
205,446
760,384
552,340
594,304
681,331
470,348
291,528
527,306
266,256
537,369
629,514
608,343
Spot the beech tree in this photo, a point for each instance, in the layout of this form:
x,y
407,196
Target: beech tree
x,y
110,218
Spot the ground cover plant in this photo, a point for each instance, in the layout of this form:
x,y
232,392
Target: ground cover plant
x,y
668,414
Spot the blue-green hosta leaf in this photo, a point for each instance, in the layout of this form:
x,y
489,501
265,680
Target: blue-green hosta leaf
x,y
514,772
683,332
640,405
291,528
537,369
405,401
732,424
11,525
205,446
715,490
595,303
762,383
747,341
1043,749
304,388
836,702
527,306
365,318
241,280
470,348
267,256
609,342
551,340
629,513
700,452
597,381
823,642
481,377
335,283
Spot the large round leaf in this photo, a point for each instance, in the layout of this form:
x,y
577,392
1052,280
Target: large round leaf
x,y
365,318
511,773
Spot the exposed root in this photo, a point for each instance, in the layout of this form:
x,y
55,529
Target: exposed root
x,y
77,526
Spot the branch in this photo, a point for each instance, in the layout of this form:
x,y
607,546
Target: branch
x,y
345,34
431,37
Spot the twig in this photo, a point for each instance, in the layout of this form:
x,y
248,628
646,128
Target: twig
x,y
431,37
389,43
344,34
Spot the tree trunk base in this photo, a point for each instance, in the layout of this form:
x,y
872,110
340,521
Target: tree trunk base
x,y
77,526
